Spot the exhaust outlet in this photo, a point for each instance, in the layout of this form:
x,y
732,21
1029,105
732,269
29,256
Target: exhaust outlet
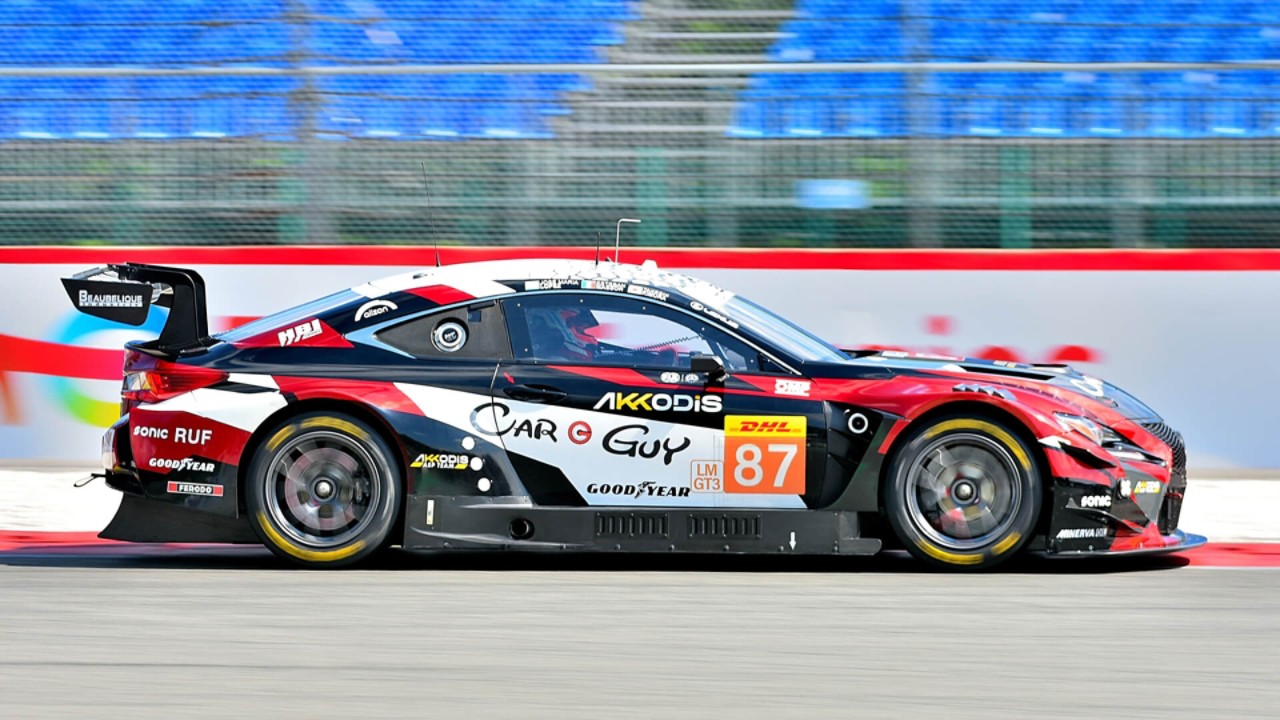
x,y
521,529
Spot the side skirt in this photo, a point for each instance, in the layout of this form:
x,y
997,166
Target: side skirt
x,y
468,523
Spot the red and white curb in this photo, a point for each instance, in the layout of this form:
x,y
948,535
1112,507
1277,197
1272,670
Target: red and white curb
x,y
43,511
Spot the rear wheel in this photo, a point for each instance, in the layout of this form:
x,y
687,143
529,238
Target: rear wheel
x,y
963,492
322,491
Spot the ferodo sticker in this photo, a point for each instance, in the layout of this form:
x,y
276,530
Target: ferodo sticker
x,y
186,488
764,454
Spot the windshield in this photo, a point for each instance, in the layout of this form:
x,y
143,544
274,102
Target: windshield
x,y
782,333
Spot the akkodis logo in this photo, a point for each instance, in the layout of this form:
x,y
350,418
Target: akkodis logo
x,y
96,402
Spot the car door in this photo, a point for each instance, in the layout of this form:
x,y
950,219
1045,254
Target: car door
x,y
444,362
603,405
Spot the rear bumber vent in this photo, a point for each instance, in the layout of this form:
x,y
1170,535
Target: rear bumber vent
x,y
622,525
721,525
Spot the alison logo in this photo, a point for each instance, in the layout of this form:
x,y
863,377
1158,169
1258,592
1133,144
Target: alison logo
x,y
659,402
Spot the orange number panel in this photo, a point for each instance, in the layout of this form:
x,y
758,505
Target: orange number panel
x,y
764,454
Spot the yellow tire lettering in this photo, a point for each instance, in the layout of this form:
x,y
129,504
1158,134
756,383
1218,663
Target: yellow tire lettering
x,y
948,557
335,424
982,426
1003,546
302,553
279,437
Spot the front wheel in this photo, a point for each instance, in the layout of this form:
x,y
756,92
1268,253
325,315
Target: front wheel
x,y
963,493
322,491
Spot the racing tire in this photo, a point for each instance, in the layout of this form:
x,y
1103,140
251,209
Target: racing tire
x,y
963,492
322,491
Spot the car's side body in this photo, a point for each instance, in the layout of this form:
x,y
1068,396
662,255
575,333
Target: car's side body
x,y
507,440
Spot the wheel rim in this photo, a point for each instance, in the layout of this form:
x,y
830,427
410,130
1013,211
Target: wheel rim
x,y
323,489
964,491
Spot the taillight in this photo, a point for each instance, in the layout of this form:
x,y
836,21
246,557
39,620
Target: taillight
x,y
148,379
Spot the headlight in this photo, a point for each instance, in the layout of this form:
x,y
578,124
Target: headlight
x,y
1099,434
1105,437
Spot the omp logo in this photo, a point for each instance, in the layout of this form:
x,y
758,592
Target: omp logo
x,y
764,425
659,402
299,332
442,461
185,488
795,388
121,301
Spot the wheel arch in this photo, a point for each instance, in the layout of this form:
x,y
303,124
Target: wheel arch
x,y
360,411
970,408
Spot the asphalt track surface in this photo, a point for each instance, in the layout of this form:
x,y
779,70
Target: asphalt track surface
x,y
136,632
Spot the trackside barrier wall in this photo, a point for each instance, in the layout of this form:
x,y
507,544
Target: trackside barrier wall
x,y
1193,333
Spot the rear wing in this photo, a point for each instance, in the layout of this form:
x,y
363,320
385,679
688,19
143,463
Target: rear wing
x,y
125,294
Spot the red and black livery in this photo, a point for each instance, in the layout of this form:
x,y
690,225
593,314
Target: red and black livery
x,y
578,406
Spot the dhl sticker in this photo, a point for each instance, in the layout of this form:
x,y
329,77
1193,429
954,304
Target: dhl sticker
x,y
764,425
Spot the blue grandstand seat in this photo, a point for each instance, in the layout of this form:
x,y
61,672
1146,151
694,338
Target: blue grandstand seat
x,y
42,113
232,32
1045,110
748,117
1174,105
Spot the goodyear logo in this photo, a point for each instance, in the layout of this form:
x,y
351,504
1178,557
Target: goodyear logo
x,y
442,461
764,425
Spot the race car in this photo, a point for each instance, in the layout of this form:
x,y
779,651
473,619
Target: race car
x,y
569,406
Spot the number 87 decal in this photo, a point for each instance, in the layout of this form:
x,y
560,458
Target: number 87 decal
x,y
764,454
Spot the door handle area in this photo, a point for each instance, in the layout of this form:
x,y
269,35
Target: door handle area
x,y
535,393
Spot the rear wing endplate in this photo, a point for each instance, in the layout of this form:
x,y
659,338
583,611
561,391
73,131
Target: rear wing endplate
x,y
125,294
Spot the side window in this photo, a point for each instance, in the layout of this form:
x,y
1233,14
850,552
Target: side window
x,y
477,332
589,329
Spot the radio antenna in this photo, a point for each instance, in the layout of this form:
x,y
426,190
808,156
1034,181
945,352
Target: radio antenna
x,y
426,188
617,236
597,247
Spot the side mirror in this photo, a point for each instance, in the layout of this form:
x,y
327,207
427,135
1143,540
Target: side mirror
x,y
709,364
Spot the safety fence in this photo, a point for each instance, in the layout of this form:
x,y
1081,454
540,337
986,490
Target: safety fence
x,y
965,154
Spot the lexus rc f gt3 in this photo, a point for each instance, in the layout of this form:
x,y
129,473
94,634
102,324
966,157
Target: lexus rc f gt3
x,y
569,406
